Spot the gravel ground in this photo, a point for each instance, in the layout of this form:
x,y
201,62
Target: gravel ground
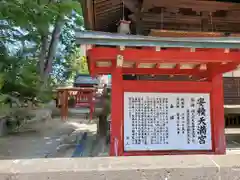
x,y
52,139
55,138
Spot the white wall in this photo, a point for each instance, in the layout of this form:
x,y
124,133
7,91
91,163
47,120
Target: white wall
x,y
235,73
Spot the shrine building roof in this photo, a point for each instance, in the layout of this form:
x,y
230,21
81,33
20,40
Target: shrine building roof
x,y
160,56
84,79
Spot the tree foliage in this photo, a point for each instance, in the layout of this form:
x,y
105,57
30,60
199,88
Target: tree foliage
x,y
37,44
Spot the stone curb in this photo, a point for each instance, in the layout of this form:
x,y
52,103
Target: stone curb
x,y
186,167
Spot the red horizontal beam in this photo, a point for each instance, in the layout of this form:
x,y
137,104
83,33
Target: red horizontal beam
x,y
169,55
167,86
154,71
224,68
196,49
218,69
101,70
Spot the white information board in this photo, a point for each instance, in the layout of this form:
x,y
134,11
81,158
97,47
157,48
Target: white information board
x,y
167,121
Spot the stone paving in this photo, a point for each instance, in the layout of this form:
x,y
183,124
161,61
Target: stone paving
x,y
191,167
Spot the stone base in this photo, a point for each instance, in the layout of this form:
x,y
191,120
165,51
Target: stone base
x,y
124,168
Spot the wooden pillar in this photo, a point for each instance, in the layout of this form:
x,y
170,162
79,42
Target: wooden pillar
x,y
88,12
116,145
77,97
65,104
62,106
91,105
57,99
139,19
217,103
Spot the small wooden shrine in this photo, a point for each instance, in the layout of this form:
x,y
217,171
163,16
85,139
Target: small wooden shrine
x,y
75,97
80,96
164,117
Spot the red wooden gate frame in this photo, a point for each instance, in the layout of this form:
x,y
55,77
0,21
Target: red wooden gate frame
x,y
214,88
208,66
79,94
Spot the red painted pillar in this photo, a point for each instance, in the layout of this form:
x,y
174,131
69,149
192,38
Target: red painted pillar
x,y
66,104
62,106
116,145
217,102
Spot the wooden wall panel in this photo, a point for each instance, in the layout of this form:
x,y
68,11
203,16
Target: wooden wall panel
x,y
231,87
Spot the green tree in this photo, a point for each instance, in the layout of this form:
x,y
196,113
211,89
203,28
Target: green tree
x,y
84,65
40,23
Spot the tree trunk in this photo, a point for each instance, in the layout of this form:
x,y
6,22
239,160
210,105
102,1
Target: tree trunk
x,y
43,53
52,49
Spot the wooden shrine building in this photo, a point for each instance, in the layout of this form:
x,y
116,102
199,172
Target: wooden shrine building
x,y
164,116
167,85
176,15
171,18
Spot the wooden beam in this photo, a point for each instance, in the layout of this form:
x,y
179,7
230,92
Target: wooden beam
x,y
154,17
132,5
210,6
223,27
166,33
186,22
88,13
139,22
108,10
204,19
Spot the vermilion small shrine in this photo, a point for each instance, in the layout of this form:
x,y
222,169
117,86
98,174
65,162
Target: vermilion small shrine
x,y
167,86
82,95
